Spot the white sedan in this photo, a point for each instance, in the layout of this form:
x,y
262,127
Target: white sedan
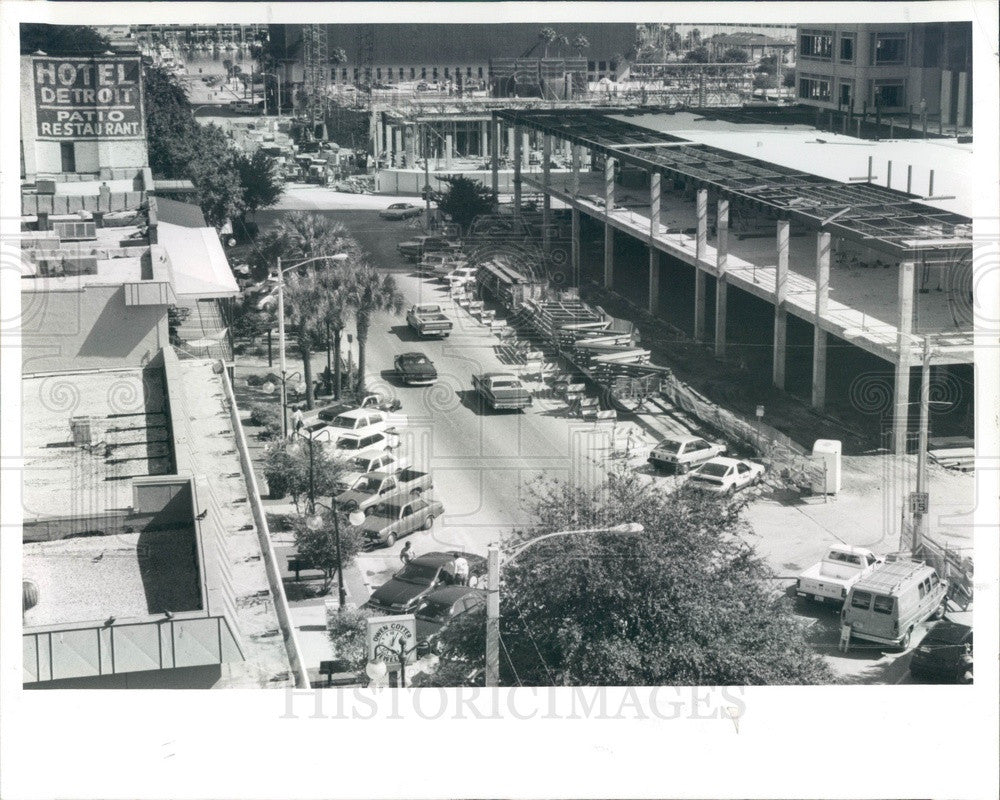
x,y
723,475
462,276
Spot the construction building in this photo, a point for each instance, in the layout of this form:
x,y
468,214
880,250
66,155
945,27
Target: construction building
x,y
923,68
834,283
147,562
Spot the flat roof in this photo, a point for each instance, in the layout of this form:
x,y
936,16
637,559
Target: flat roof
x,y
198,262
886,219
127,576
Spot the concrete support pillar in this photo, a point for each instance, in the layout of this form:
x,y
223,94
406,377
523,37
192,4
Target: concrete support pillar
x,y
511,141
962,118
609,232
654,204
701,245
574,185
449,149
525,148
575,247
546,197
780,312
484,139
946,96
721,279
397,148
495,160
518,143
901,400
411,149
819,335
653,305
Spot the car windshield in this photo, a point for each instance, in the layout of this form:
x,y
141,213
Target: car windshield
x,y
506,384
435,610
669,446
344,421
418,360
418,573
398,205
368,485
362,464
390,510
348,443
713,470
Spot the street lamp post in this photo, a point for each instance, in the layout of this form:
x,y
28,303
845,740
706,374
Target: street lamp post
x,y
315,522
493,590
281,325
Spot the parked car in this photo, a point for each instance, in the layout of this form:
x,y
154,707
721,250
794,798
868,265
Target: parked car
x,y
501,390
419,245
415,369
427,319
441,263
887,604
395,518
376,401
400,211
461,276
363,465
832,578
425,573
945,653
381,487
360,420
722,475
683,452
352,445
439,608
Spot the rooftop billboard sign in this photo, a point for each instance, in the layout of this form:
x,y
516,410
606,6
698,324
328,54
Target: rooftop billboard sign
x,y
88,98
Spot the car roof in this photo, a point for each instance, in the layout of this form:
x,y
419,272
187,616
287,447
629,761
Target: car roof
x,y
948,632
682,438
724,461
500,375
356,412
449,594
434,559
413,354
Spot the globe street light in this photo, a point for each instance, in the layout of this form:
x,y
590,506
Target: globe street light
x,y
315,521
493,589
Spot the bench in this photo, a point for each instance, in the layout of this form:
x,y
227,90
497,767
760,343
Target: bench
x,y
340,668
296,563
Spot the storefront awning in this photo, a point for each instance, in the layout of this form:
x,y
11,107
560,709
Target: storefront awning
x,y
198,262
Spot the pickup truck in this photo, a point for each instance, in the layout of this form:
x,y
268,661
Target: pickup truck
x,y
427,319
501,390
832,578
377,487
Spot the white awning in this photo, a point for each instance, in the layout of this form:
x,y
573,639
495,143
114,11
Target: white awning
x,y
198,262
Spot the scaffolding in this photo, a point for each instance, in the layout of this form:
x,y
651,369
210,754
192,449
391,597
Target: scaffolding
x,y
316,75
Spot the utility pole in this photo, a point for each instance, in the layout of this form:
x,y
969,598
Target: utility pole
x,y
493,617
425,140
920,511
282,367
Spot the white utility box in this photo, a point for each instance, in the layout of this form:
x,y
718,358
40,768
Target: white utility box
x,y
826,456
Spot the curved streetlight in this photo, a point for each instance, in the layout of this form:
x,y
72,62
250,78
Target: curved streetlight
x,y
493,563
315,521
281,323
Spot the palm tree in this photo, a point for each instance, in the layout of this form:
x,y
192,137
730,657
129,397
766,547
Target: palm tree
x,y
547,36
367,293
304,302
336,286
581,43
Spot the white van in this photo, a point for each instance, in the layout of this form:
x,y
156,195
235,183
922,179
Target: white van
x,y
888,603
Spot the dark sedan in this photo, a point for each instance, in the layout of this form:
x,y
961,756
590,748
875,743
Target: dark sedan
x,y
439,608
945,653
404,591
415,369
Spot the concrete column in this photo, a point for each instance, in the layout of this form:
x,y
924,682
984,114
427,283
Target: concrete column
x,y
518,141
525,148
411,150
574,185
780,313
721,281
484,139
961,117
609,232
654,254
574,216
397,150
495,160
546,197
701,245
654,204
449,149
511,141
901,401
819,335
946,96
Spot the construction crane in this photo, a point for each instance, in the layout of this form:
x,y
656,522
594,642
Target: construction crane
x,y
316,76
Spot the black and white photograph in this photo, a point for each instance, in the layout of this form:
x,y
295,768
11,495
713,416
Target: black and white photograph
x,y
617,367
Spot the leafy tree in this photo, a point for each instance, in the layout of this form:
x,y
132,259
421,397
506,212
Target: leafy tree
x,y
547,36
61,40
287,461
685,602
261,186
788,79
581,43
369,292
349,637
697,56
464,200
318,545
734,55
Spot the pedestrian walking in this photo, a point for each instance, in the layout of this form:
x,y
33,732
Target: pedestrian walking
x,y
461,571
406,554
298,420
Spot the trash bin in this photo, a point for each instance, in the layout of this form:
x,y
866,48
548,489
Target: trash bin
x,y
826,456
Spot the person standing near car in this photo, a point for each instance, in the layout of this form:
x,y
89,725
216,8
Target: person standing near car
x,y
298,420
406,554
461,571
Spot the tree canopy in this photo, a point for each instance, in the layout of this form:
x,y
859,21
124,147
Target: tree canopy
x,y
464,200
685,602
317,544
61,40
697,56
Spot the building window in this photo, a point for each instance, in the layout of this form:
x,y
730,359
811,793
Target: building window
x,y
468,72
413,73
434,72
357,74
447,72
343,74
67,155
591,66
378,73
602,66
846,96
888,93
423,72
402,73
847,49
480,73
816,44
812,87
888,48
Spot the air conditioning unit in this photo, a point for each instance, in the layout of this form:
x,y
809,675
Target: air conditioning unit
x,y
75,231
45,186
